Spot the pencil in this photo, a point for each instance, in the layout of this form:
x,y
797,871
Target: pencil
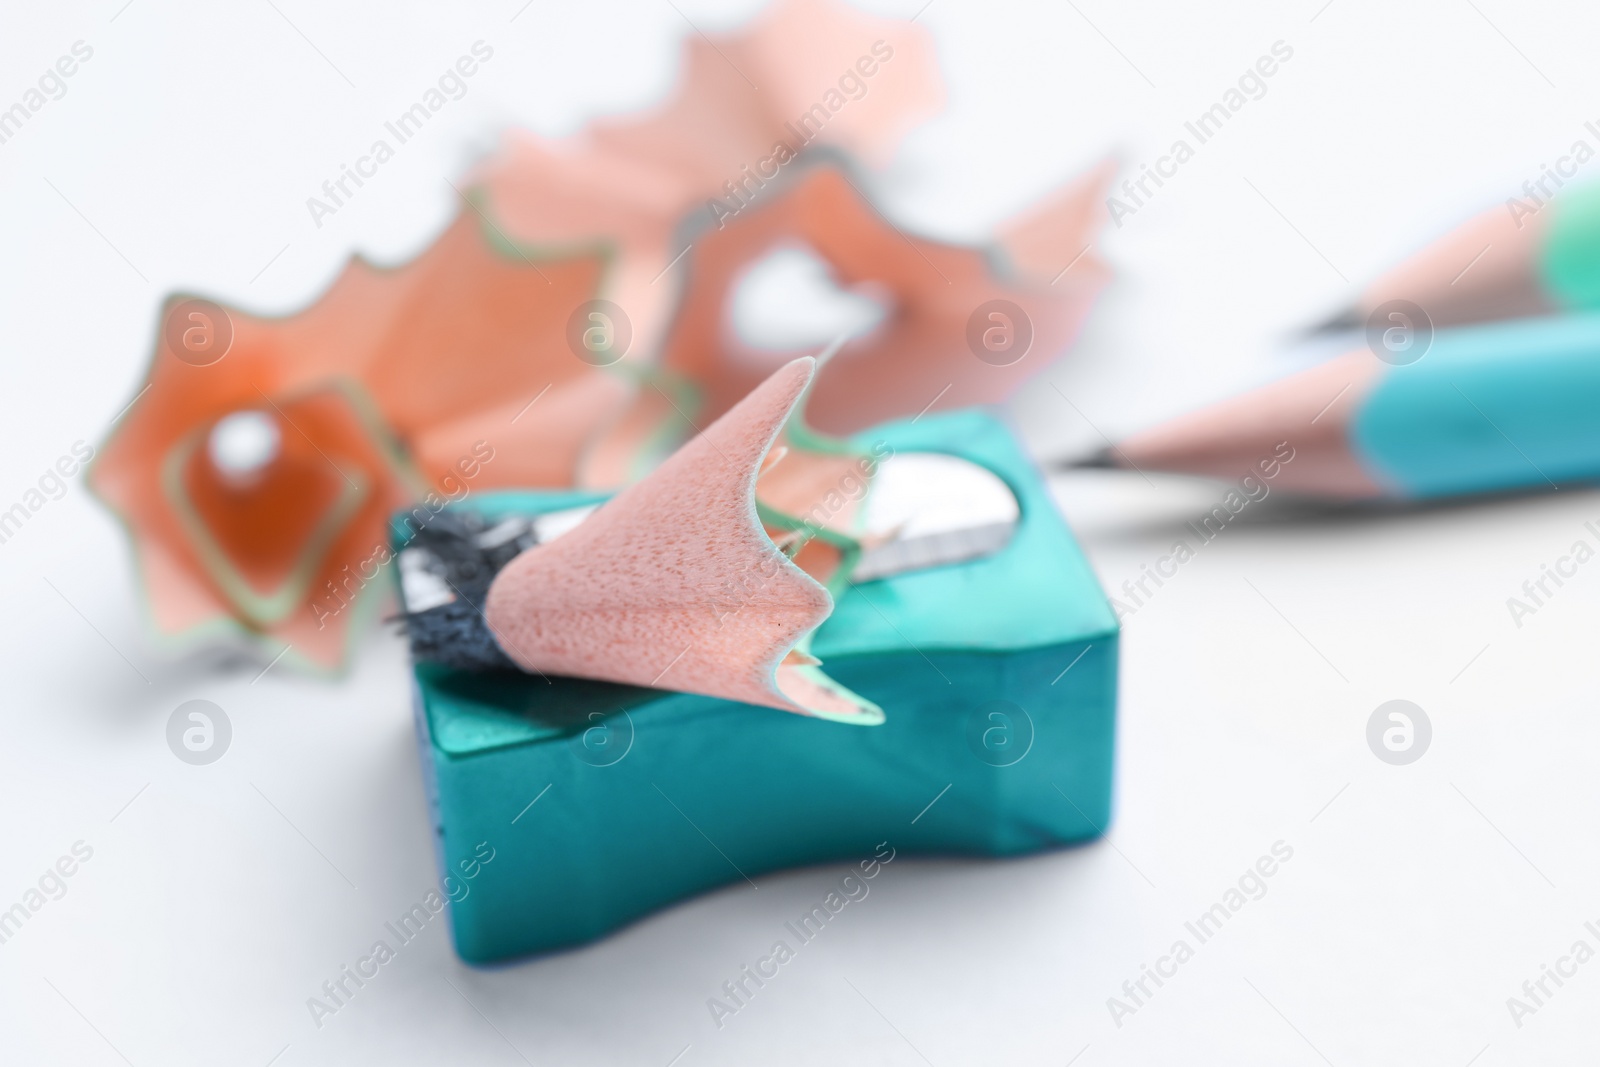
x,y
1486,408
1536,255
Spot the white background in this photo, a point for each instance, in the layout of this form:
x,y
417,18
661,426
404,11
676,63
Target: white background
x,y
1419,898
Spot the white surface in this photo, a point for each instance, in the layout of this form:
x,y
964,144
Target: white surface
x,y
1414,904
915,494
244,442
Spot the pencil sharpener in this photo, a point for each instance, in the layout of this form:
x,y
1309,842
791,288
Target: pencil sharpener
x,y
601,803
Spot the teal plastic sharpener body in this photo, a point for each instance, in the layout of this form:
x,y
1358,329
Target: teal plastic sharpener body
x,y
601,803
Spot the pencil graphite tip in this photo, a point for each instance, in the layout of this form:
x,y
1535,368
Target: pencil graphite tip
x,y
1103,459
1348,319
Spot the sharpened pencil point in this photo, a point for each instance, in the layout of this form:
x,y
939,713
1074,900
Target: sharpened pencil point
x,y
1348,319
1104,459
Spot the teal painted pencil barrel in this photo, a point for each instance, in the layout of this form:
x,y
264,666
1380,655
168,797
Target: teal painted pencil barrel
x,y
1499,407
